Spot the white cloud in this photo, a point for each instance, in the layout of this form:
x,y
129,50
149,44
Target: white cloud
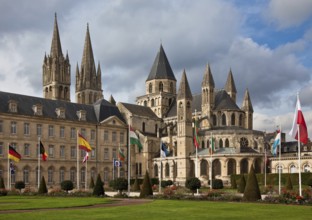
x,y
289,13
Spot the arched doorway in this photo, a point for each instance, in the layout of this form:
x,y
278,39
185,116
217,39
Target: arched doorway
x,y
244,166
231,167
216,168
258,165
204,168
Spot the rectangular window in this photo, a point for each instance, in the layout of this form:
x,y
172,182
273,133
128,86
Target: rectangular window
x,y
92,135
72,133
114,136
73,151
92,153
39,130
1,126
50,176
114,154
26,150
83,132
105,135
62,151
62,132
51,151
106,154
13,127
26,129
122,137
51,131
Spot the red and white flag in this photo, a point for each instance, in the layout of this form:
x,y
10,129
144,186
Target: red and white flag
x,y
299,123
86,157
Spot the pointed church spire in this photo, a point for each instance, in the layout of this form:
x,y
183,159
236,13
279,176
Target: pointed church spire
x,y
99,77
208,79
112,100
56,48
161,68
247,105
184,89
230,84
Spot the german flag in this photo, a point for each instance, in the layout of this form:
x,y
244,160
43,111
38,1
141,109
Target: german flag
x,y
13,155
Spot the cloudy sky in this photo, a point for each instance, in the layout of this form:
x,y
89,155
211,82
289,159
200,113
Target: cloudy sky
x,y
266,43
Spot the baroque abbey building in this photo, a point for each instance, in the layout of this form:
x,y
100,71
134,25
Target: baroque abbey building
x,y
164,114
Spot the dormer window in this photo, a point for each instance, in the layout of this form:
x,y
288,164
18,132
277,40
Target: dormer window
x,y
60,112
81,114
13,106
37,109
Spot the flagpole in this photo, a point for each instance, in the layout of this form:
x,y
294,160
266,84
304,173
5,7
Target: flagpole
x,y
196,149
118,171
265,164
86,178
38,162
211,160
113,168
160,166
129,169
77,160
9,170
299,160
279,162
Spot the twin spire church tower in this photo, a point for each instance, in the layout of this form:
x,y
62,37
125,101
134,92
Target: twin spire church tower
x,y
57,77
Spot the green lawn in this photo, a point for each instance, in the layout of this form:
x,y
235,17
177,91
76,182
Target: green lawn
x,y
158,209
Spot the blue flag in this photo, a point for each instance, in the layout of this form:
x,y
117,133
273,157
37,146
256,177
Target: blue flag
x,y
164,150
117,163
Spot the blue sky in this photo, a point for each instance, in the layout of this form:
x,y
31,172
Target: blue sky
x,y
266,44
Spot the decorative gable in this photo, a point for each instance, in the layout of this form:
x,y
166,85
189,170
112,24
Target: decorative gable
x,y
13,105
81,114
60,112
37,109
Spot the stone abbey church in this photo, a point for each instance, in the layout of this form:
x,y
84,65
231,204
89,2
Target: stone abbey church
x,y
164,114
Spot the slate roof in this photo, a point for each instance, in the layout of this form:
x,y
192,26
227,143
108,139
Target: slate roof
x,y
222,102
140,110
161,68
94,113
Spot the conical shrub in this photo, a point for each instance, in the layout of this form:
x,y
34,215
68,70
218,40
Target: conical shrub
x,y
91,186
98,188
136,185
146,187
43,186
2,186
242,184
252,191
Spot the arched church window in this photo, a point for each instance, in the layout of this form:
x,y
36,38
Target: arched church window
x,y
161,87
240,120
233,119
223,119
150,88
243,142
188,105
214,120
145,103
220,143
143,126
180,105
152,102
227,143
171,87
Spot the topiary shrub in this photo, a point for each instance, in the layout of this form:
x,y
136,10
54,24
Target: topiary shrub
x,y
19,185
242,184
252,191
91,186
309,182
136,185
120,184
233,182
193,184
67,185
289,185
98,188
43,186
2,186
146,189
217,184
